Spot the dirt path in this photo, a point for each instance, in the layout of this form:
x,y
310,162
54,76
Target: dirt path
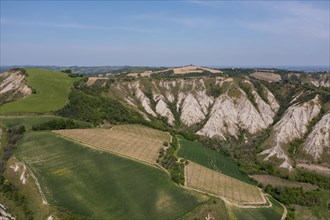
x,y
285,212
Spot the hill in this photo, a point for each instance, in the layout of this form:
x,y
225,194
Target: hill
x,y
50,92
263,127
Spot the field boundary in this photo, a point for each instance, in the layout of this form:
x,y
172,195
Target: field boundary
x,y
35,180
269,205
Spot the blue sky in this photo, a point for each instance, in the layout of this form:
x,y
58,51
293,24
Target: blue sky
x,y
165,33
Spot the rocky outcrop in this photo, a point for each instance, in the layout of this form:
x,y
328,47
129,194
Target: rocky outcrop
x,y
291,126
144,100
265,110
230,114
318,141
223,119
322,80
163,110
295,120
224,114
13,85
191,110
272,101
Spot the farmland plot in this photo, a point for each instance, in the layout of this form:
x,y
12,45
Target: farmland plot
x,y
132,141
101,185
206,180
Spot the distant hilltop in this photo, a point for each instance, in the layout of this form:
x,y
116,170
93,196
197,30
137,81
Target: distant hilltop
x,y
145,70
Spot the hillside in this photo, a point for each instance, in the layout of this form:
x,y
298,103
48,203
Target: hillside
x,y
231,124
226,108
50,90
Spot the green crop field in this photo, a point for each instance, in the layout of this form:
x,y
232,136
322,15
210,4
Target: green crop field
x,y
273,213
207,157
52,90
101,185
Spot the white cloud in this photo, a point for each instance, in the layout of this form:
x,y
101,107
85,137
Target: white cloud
x,y
77,26
294,18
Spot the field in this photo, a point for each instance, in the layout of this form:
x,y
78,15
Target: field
x,y
276,181
315,168
52,90
132,141
206,180
178,70
209,158
101,185
273,213
267,76
27,121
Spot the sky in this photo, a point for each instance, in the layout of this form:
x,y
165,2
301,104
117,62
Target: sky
x,y
165,33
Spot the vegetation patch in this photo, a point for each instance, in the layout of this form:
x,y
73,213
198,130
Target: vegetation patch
x,y
61,123
167,158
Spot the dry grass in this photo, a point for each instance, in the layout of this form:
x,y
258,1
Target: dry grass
x,y
206,180
193,69
276,181
267,76
133,141
93,79
144,74
315,168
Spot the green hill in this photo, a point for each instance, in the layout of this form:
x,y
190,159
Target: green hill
x,y
52,89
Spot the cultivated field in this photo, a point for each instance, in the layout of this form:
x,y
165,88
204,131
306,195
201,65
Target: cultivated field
x,y
210,158
178,70
206,180
52,90
193,69
133,141
101,185
267,76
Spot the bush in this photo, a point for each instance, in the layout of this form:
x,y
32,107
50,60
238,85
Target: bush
x,y
57,124
293,195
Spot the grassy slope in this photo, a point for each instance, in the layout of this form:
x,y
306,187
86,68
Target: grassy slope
x,y
101,185
274,213
52,90
207,157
